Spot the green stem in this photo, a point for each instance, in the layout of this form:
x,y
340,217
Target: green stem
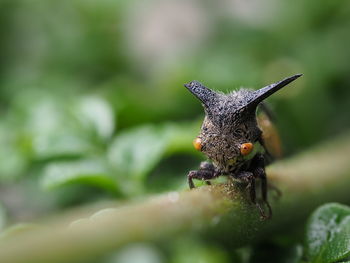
x,y
307,180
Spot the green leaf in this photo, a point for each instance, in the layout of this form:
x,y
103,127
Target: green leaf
x,y
91,172
181,137
328,234
134,153
47,127
60,125
12,162
95,113
60,144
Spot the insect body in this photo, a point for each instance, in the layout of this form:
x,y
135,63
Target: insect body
x,y
231,138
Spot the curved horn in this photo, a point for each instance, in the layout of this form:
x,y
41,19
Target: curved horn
x,y
253,98
261,94
205,95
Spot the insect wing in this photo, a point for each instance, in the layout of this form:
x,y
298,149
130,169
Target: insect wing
x,y
270,135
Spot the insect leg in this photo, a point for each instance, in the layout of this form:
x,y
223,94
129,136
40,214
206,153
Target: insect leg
x,y
207,166
259,172
204,175
250,179
264,192
247,177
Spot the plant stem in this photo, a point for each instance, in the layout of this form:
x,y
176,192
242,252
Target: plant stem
x,y
307,180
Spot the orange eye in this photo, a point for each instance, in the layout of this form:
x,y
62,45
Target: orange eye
x,y
197,143
246,148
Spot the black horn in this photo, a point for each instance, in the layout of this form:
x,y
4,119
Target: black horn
x,y
207,96
261,94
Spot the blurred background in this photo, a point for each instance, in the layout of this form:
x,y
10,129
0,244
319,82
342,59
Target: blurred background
x,y
92,103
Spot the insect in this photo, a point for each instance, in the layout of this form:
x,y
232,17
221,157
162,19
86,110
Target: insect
x,y
231,138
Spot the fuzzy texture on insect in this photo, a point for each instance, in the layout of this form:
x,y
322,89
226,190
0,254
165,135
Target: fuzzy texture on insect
x,y
231,138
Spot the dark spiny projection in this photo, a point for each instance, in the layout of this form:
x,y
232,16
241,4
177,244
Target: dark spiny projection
x,y
231,139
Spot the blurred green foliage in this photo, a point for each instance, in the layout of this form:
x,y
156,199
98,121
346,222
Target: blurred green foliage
x,y
328,234
91,99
